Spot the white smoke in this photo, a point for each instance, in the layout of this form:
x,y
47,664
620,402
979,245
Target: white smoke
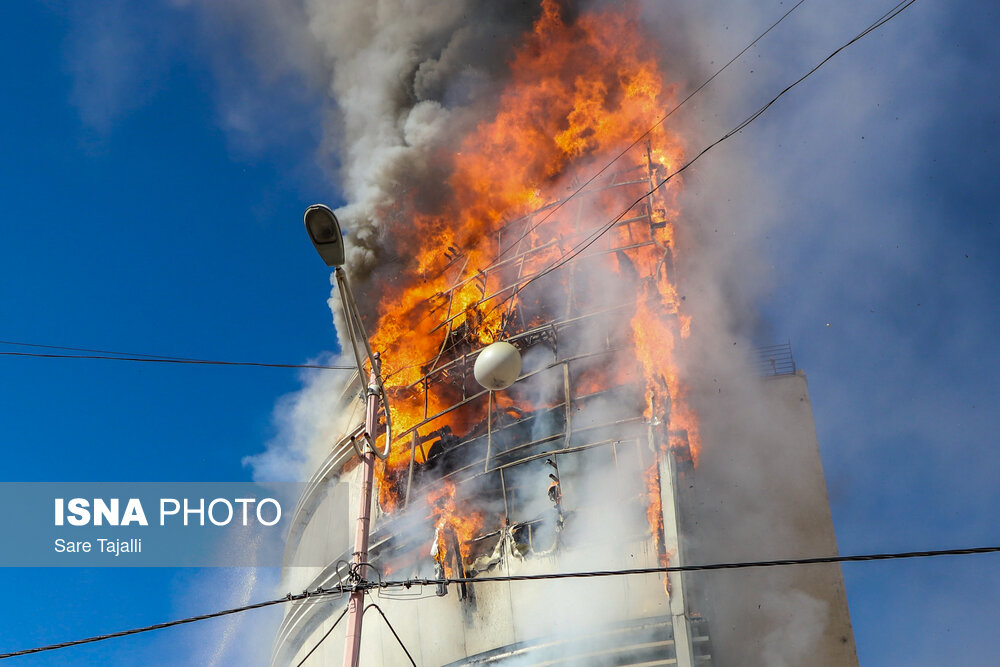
x,y
393,83
308,422
801,621
389,67
400,76
400,80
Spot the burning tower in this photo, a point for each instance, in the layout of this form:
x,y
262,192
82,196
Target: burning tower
x,y
593,460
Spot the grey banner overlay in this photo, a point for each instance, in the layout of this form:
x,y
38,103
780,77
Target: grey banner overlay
x,y
142,524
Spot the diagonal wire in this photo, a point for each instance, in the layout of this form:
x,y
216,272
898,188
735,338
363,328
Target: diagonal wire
x,y
636,142
171,360
644,134
700,568
87,349
339,590
159,626
325,635
591,239
603,229
391,629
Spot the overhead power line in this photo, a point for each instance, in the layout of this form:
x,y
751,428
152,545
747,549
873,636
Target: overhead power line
x,y
409,583
645,134
624,151
603,229
558,263
157,360
86,349
693,568
169,624
147,358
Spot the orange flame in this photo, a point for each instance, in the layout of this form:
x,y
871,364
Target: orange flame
x,y
579,91
654,515
449,519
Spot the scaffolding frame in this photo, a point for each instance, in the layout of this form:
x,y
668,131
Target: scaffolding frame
x,y
519,240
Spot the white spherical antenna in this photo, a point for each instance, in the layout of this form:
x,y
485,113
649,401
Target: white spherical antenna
x,y
497,366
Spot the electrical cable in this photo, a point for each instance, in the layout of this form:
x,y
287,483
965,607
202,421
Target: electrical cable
x,y
603,229
339,618
590,240
644,134
409,583
170,360
136,357
87,349
392,630
323,638
698,568
581,247
630,146
192,619
594,236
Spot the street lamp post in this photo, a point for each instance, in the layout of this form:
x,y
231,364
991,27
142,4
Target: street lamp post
x,y
356,603
324,232
497,367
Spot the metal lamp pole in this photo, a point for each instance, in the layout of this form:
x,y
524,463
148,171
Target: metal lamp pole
x,y
324,232
497,367
356,603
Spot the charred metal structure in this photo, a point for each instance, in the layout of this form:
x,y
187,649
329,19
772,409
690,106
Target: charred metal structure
x,y
568,470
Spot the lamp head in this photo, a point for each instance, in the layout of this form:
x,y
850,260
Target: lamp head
x,y
324,232
497,366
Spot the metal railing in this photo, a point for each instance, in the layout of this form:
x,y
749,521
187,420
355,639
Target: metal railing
x,y
774,360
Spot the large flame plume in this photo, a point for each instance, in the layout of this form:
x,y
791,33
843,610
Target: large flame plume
x,y
581,88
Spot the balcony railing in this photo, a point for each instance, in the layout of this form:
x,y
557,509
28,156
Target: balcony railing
x,y
774,360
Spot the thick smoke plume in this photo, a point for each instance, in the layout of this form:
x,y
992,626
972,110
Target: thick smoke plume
x,y
824,187
405,83
405,78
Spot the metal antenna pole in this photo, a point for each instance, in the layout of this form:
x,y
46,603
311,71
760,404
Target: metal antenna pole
x,y
356,604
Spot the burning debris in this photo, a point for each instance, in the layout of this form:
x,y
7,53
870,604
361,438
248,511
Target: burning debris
x,y
555,495
507,546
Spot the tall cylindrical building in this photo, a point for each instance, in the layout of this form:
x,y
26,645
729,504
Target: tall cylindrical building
x,y
591,461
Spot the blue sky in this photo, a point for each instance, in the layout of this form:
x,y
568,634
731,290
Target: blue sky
x,y
153,190
134,222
